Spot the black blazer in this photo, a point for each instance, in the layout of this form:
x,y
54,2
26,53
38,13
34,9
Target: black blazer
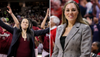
x,y
16,35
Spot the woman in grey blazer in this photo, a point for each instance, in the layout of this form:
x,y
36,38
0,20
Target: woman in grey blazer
x,y
73,37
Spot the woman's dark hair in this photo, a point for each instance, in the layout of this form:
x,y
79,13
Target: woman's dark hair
x,y
98,45
34,23
29,31
88,0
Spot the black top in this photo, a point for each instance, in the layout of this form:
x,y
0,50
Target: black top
x,y
62,41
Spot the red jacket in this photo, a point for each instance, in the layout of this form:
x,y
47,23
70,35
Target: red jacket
x,y
5,42
1,30
77,1
36,28
46,43
57,12
52,39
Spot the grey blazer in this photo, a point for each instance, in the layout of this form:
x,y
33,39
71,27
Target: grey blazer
x,y
77,43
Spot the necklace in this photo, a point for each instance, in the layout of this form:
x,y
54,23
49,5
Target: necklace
x,y
24,39
24,36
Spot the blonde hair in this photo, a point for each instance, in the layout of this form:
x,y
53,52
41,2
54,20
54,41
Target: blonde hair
x,y
79,17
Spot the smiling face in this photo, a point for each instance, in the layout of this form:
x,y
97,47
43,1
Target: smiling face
x,y
24,24
71,12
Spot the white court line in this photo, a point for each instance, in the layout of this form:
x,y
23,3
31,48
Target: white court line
x,y
39,56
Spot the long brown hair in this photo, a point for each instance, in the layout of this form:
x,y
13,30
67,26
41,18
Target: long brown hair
x,y
79,17
29,29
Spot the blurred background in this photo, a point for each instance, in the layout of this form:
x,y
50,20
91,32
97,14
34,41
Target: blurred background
x,y
34,9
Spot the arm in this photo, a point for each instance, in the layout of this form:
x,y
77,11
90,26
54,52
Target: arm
x,y
86,42
7,27
97,3
41,32
36,42
94,8
44,21
13,16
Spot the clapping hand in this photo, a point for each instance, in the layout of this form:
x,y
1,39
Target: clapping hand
x,y
47,12
96,1
89,21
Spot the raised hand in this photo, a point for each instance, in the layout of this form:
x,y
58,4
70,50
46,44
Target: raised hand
x,y
13,16
47,12
89,21
96,1
44,21
10,10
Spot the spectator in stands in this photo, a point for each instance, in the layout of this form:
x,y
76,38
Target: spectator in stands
x,y
54,22
45,38
96,8
56,9
5,41
89,10
95,29
95,49
82,6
